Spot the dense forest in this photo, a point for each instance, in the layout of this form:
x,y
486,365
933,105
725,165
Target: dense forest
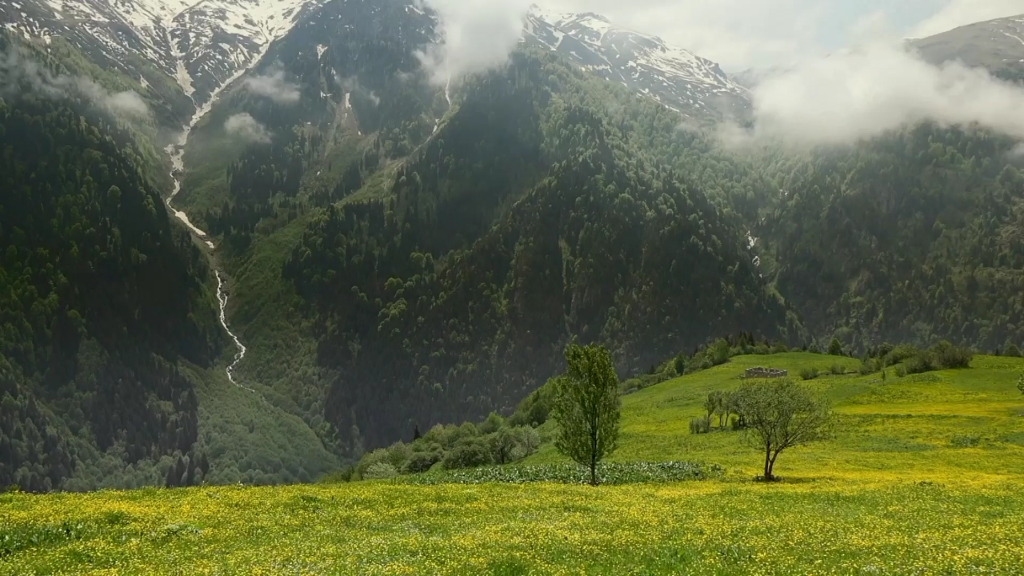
x,y
914,237
99,299
504,237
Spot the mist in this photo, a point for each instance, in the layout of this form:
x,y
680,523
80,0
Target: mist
x,y
19,74
274,87
247,128
475,36
860,94
352,85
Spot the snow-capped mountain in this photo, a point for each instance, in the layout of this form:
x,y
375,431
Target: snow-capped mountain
x,y
677,78
199,44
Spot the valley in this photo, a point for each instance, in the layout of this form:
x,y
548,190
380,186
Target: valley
x,y
374,286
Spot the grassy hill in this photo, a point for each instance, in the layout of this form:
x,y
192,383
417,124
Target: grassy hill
x,y
935,426
925,475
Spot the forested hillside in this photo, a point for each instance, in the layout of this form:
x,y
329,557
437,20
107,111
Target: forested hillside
x,y
400,251
914,237
100,298
504,237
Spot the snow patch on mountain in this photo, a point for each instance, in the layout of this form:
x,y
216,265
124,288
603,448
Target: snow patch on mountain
x,y
199,44
677,78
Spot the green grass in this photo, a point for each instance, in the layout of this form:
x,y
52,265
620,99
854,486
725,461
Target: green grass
x,y
915,416
925,476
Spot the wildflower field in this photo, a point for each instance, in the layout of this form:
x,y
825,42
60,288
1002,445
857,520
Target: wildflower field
x,y
924,476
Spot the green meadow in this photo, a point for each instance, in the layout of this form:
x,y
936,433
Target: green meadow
x,y
924,475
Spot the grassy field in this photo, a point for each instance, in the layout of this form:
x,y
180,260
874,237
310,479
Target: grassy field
x,y
925,476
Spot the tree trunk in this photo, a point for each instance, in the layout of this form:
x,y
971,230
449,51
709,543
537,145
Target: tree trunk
x,y
768,465
593,455
771,466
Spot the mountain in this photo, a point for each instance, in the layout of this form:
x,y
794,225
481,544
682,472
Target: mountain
x,y
200,45
102,302
997,45
680,80
385,235
394,253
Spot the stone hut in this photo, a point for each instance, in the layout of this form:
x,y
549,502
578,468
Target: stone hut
x,y
760,372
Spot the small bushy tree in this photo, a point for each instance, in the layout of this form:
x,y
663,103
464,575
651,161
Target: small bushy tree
x,y
779,415
503,445
835,347
1011,349
586,407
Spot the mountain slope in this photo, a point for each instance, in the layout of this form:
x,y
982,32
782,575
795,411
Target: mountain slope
x,y
913,237
199,45
677,78
505,236
997,45
101,300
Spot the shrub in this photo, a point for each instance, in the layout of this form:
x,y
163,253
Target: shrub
x,y
492,424
529,441
779,348
809,373
919,364
720,352
422,461
468,453
680,364
700,425
369,459
882,350
868,366
948,356
837,369
813,348
380,471
835,348
1011,350
901,371
899,354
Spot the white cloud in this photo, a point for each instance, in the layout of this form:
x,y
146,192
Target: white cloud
x,y
123,104
860,94
737,34
958,13
19,73
274,87
128,102
476,35
246,127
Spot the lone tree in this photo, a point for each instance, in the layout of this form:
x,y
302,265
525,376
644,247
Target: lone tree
x,y
780,415
586,407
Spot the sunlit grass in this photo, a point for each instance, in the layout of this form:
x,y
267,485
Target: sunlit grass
x,y
925,476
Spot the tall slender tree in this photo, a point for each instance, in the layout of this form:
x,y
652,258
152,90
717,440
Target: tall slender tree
x,y
586,407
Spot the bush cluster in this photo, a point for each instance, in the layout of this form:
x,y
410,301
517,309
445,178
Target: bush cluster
x,y
452,447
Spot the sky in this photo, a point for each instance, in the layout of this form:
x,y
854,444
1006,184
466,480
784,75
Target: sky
x,y
740,34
